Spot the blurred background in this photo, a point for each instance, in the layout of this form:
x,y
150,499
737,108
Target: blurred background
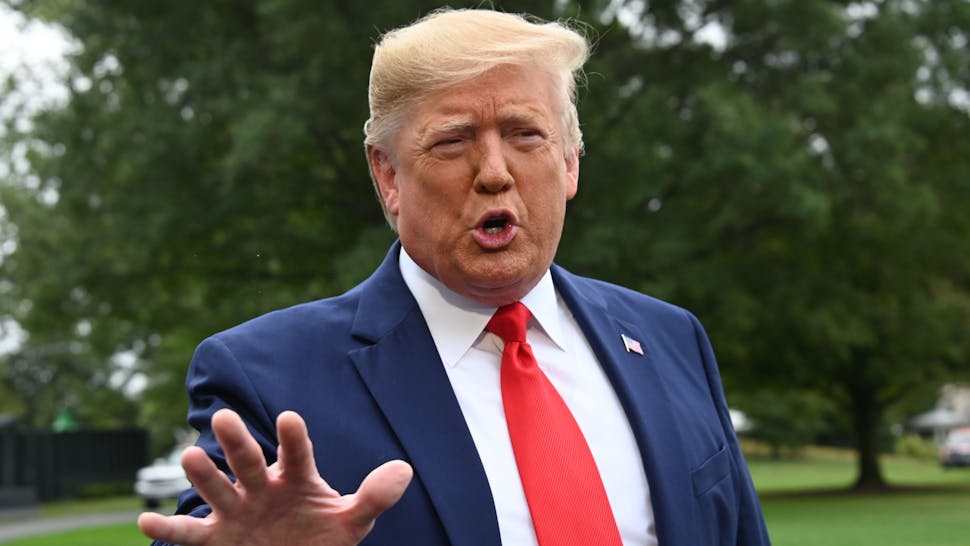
x,y
796,173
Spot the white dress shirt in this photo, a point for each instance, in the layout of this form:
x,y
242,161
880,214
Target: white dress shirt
x,y
472,359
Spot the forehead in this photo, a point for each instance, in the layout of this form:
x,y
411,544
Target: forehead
x,y
504,93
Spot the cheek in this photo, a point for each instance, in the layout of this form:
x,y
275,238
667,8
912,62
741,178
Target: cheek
x,y
429,205
550,197
443,193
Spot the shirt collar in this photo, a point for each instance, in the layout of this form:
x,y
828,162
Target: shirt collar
x,y
456,322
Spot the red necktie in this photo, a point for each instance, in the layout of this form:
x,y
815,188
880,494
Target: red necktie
x,y
562,485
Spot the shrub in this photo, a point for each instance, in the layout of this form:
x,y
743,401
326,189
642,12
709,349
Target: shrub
x,y
914,447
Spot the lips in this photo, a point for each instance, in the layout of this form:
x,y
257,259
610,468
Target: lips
x,y
495,229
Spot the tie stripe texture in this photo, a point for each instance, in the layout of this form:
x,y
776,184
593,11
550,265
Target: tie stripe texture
x,y
566,497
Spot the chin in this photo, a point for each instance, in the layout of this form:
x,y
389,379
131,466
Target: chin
x,y
498,287
500,268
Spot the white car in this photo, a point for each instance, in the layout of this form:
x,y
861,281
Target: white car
x,y
955,451
163,480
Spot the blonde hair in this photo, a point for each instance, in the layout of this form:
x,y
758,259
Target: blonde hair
x,y
448,47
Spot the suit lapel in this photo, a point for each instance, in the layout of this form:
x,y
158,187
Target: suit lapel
x,y
641,390
405,376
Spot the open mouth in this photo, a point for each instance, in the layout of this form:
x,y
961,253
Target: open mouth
x,y
496,229
495,224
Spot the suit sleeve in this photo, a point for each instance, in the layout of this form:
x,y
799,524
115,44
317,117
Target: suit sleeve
x,y
751,525
217,380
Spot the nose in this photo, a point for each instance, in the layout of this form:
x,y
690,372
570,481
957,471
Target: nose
x,y
492,174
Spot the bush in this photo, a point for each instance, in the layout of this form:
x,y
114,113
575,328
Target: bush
x,y
786,421
914,447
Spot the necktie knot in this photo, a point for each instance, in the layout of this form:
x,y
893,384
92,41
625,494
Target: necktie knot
x,y
509,322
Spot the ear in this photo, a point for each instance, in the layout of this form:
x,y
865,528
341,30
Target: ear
x,y
572,173
383,171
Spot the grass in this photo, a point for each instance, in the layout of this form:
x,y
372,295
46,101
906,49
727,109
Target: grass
x,y
92,506
805,501
124,534
821,468
121,534
896,519
815,469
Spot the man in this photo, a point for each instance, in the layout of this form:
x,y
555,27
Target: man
x,y
502,399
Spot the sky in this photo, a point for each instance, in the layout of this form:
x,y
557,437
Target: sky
x,y
23,42
32,53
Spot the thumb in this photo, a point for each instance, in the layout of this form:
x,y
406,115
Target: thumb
x,y
380,490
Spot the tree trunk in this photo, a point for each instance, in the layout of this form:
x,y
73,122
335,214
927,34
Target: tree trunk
x,y
867,416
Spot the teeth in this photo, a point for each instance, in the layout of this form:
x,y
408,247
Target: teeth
x,y
494,226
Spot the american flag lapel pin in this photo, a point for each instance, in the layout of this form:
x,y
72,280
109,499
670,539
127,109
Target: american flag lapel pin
x,y
631,345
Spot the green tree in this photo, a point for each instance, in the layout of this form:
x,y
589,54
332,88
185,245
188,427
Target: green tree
x,y
205,169
800,184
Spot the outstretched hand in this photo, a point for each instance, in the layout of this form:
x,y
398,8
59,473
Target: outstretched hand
x,y
287,503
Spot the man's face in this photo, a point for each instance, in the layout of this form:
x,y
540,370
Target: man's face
x,y
478,178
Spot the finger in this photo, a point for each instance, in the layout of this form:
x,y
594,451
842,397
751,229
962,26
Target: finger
x,y
380,490
209,481
296,451
184,530
243,453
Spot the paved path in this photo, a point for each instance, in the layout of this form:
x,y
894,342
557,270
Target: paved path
x,y
12,529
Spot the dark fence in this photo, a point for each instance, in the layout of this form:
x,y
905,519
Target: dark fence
x,y
58,465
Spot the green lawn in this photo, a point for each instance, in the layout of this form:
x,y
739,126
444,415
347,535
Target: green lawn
x,y
897,519
123,534
803,506
115,535
97,506
802,501
827,468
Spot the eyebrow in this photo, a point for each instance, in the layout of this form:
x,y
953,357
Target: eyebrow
x,y
512,116
450,126
520,115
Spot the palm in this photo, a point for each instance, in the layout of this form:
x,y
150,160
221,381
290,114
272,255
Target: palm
x,y
287,503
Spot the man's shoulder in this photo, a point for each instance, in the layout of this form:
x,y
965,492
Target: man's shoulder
x,y
310,318
613,296
331,315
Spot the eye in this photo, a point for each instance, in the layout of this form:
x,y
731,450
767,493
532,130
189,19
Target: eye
x,y
526,136
448,141
448,147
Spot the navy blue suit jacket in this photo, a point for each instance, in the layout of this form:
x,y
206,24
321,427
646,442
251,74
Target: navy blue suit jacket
x,y
363,371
